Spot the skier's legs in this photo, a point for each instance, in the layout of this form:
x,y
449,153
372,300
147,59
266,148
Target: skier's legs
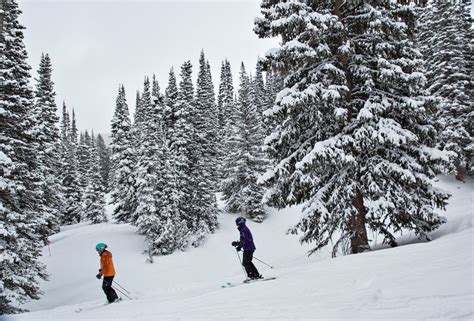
x,y
250,268
108,290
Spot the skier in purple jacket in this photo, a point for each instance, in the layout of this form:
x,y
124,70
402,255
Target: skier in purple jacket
x,y
246,243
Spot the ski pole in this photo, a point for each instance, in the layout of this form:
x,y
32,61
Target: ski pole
x,y
121,287
241,264
116,289
256,258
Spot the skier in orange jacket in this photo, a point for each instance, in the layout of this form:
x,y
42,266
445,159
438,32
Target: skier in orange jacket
x,y
108,271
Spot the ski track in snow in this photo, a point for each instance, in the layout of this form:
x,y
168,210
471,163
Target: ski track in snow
x,y
419,281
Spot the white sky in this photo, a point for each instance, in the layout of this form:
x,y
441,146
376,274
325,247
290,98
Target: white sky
x,y
96,45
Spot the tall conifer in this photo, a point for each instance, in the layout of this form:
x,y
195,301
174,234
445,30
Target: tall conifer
x,y
353,138
123,160
21,218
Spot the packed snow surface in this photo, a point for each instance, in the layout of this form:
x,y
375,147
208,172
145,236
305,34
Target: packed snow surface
x,y
416,281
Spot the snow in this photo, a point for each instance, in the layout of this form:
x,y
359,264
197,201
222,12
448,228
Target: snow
x,y
5,159
417,281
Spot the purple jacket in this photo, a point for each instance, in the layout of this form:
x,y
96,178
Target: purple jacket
x,y
246,239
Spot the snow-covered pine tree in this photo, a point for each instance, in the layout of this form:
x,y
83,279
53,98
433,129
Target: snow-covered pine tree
x,y
353,138
157,98
445,37
104,161
91,139
65,124
170,232
72,207
246,164
469,58
73,134
123,161
259,95
20,215
94,198
231,170
152,219
273,85
137,117
171,96
220,102
83,160
204,155
213,129
181,145
225,106
147,193
47,134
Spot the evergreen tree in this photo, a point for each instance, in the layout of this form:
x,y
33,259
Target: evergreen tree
x,y
21,218
226,106
73,135
212,121
204,154
169,112
273,85
138,110
246,163
172,229
47,135
181,145
94,198
353,138
83,160
149,177
65,124
146,170
104,161
72,209
258,94
123,161
446,35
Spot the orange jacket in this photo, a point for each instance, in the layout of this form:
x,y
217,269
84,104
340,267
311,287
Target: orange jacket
x,y
106,264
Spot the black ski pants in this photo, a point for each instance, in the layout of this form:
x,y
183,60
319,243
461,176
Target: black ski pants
x,y
251,270
108,290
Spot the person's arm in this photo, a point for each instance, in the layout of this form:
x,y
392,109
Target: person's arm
x,y
99,275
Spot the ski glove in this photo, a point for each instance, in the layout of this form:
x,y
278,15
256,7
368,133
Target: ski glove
x,y
238,248
98,276
235,243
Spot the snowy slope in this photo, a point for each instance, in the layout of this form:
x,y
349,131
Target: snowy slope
x,y
421,281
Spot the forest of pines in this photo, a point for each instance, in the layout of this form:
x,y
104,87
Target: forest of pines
x,y
358,109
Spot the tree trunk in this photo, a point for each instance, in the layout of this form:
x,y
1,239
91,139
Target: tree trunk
x,y
359,241
460,170
337,8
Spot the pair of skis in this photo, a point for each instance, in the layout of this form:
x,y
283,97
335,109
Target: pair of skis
x,y
95,306
226,285
248,281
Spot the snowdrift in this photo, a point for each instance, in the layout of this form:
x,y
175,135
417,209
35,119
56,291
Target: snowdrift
x,y
418,281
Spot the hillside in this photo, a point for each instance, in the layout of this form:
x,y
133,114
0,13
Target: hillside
x,y
418,281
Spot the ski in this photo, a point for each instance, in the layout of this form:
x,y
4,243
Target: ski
x,y
231,285
95,306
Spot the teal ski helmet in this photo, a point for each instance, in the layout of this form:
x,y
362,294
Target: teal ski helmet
x,y
100,246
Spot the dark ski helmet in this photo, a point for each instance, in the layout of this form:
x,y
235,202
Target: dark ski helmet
x,y
240,220
100,246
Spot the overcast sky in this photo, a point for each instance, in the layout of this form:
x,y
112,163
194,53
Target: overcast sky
x,y
96,45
